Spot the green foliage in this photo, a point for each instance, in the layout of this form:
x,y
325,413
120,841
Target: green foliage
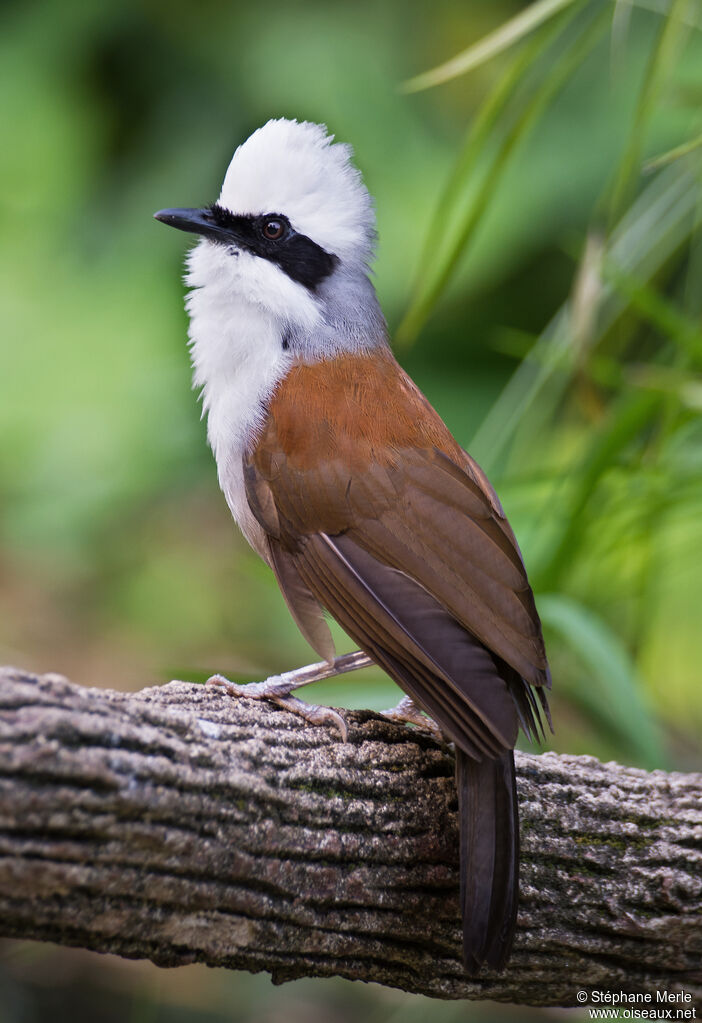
x,y
610,690
583,429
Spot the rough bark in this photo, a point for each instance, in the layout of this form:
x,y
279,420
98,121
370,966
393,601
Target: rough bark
x,y
178,825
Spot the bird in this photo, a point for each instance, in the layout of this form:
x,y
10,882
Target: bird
x,y
348,484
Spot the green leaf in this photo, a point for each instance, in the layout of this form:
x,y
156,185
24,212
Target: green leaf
x,y
657,310
658,223
673,154
657,73
615,694
436,272
631,414
509,33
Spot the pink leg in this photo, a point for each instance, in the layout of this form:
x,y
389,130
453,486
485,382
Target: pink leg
x,y
278,688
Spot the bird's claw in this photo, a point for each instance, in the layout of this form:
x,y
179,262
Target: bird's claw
x,y
269,689
408,713
277,690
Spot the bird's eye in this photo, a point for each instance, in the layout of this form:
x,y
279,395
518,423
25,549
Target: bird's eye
x,y
273,228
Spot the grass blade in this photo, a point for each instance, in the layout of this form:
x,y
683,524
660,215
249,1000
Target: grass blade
x,y
673,154
431,287
655,75
657,310
655,226
615,695
627,418
509,33
474,146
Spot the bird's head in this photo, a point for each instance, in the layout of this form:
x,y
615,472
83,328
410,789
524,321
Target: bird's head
x,y
292,231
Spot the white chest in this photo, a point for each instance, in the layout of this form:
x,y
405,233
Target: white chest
x,y
240,307
238,359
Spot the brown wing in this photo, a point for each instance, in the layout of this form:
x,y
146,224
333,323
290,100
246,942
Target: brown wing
x,y
388,525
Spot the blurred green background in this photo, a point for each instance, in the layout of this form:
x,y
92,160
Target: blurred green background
x,y
540,265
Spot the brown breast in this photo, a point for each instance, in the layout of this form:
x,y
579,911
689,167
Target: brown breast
x,y
360,408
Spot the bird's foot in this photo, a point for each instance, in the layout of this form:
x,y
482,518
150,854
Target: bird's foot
x,y
278,688
408,713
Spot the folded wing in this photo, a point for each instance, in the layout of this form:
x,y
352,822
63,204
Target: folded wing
x,y
415,561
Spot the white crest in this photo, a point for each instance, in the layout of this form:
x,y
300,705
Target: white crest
x,y
295,168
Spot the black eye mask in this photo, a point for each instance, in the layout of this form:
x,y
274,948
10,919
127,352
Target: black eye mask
x,y
297,255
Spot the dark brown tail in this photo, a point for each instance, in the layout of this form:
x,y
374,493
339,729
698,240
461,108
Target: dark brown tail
x,y
489,858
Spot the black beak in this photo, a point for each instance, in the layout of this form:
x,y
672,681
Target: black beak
x,y
200,222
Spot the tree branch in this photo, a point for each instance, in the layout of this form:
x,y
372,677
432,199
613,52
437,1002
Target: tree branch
x,y
179,825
